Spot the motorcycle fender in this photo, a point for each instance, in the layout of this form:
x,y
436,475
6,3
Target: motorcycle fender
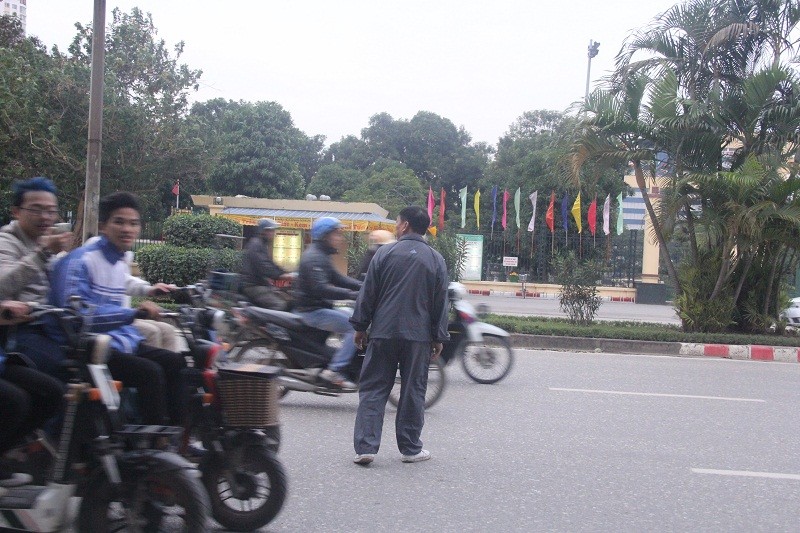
x,y
238,439
154,461
477,330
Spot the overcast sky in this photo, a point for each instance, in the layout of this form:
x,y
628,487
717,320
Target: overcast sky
x,y
333,64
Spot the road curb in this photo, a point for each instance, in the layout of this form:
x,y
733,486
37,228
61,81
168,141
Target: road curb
x,y
755,352
543,295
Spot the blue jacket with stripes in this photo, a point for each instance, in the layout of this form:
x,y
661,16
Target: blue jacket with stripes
x,y
97,273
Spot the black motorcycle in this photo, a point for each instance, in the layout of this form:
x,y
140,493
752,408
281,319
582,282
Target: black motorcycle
x,y
233,412
124,474
283,339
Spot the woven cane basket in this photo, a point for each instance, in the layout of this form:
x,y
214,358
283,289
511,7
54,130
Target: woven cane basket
x,y
249,399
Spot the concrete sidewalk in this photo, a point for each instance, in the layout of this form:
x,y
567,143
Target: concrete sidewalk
x,y
786,354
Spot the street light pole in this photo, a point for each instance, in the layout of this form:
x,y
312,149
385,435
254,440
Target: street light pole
x,y
593,48
94,150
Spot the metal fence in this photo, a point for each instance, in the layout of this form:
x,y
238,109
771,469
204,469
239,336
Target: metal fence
x,y
152,233
620,256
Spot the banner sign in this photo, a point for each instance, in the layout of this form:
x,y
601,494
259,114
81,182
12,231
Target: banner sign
x,y
509,261
473,262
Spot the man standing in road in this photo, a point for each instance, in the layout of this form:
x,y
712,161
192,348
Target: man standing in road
x,y
404,299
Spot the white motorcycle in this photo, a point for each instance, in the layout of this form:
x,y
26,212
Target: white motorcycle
x,y
485,350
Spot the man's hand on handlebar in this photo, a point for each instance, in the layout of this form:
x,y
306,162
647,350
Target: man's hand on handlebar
x,y
13,312
149,310
161,288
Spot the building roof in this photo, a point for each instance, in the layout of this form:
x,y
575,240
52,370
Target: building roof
x,y
297,214
287,213
291,205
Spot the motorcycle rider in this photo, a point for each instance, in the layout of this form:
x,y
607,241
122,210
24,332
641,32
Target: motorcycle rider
x,y
259,271
317,285
28,397
98,274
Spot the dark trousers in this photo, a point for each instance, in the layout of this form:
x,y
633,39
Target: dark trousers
x,y
46,354
156,375
28,398
377,379
266,297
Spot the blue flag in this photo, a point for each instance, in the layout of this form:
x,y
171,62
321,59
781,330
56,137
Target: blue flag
x,y
564,211
494,205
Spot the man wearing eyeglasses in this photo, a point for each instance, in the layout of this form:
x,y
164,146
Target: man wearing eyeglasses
x,y
28,243
26,248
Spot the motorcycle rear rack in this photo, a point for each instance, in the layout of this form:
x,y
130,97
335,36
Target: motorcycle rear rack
x,y
150,436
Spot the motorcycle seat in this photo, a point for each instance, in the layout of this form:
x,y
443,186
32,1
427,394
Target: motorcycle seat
x,y
279,318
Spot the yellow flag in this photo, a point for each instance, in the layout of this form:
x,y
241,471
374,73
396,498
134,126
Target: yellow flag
x,y
576,211
477,206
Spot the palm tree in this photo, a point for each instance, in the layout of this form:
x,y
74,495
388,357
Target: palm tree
x,y
619,127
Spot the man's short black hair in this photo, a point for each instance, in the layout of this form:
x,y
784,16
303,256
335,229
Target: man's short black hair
x,y
19,188
114,201
417,218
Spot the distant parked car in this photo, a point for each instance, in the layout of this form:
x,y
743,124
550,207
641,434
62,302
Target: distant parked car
x,y
792,313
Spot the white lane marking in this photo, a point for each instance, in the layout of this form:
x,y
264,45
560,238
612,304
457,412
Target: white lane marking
x,y
661,395
746,473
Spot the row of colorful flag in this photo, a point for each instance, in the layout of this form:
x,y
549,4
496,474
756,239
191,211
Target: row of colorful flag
x,y
549,216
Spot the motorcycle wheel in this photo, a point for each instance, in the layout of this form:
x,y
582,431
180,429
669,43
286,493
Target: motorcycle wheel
x,y
262,485
487,361
260,351
436,383
172,500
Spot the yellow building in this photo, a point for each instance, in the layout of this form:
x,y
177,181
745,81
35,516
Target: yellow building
x,y
295,218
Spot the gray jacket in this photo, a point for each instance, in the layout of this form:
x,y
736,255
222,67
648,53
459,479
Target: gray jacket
x,y
405,293
23,270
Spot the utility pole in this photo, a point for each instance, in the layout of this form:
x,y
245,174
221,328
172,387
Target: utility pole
x,y
94,150
593,48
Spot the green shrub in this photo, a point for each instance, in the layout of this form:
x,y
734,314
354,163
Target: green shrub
x,y
355,253
578,296
165,263
697,312
629,330
454,252
198,231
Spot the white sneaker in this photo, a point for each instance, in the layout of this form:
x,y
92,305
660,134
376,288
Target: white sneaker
x,y
364,459
423,455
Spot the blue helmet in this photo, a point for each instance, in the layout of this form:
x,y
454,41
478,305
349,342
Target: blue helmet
x,y
323,226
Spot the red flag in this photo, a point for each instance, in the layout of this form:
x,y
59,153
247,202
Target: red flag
x,y
441,210
592,216
505,208
176,189
431,204
550,216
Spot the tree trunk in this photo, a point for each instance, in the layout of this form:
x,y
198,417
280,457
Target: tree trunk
x,y
692,232
662,243
724,269
771,280
748,263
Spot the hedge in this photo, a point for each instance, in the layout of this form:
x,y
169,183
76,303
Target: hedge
x,y
164,263
198,231
630,331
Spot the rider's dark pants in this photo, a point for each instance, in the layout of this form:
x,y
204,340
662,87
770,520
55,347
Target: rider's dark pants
x,y
377,379
28,399
266,297
156,375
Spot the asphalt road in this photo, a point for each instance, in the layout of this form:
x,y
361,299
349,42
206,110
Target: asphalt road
x,y
511,305
568,442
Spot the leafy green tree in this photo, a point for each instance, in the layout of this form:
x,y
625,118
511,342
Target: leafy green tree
x,y
145,144
254,148
391,185
335,180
